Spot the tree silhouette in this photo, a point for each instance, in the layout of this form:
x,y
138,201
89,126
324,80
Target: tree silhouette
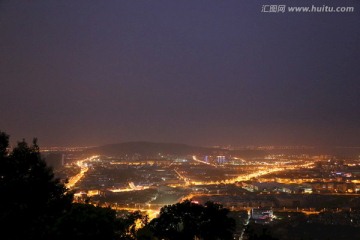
x,y
129,225
255,231
35,205
215,223
4,143
86,222
187,220
31,198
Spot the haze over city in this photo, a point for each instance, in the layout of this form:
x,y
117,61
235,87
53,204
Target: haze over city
x,y
78,73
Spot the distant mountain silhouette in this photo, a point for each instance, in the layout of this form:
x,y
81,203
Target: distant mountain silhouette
x,y
153,149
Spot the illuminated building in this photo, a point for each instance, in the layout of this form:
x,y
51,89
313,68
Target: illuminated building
x,y
261,214
220,159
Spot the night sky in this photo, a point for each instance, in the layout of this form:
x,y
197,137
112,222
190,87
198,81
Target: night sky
x,y
210,72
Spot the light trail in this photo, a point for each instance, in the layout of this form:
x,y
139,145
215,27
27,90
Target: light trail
x,y
182,177
83,169
246,177
150,212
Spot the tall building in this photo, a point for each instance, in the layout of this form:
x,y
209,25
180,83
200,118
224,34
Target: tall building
x,y
220,159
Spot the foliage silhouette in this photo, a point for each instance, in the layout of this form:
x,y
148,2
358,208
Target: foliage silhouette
x,y
32,199
85,221
188,220
36,205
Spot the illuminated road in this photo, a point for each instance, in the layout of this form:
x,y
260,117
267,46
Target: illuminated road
x,y
182,177
246,177
187,181
150,212
259,173
83,169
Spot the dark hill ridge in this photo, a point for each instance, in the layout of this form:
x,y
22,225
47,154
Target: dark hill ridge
x,y
153,149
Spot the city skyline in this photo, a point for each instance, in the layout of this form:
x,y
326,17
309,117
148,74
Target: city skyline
x,y
202,73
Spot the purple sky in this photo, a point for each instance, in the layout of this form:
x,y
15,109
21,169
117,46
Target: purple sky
x,y
210,72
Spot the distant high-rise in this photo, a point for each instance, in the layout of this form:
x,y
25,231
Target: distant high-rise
x,y
220,159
